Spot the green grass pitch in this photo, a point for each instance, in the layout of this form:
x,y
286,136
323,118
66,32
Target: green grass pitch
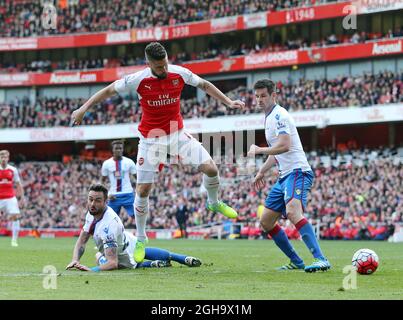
x,y
232,269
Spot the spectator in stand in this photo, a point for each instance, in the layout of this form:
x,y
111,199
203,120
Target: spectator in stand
x,y
366,90
23,18
214,50
340,176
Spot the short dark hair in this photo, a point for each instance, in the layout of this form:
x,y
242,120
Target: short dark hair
x,y
266,83
155,51
114,142
97,187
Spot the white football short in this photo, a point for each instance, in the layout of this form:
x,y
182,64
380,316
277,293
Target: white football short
x,y
154,151
9,206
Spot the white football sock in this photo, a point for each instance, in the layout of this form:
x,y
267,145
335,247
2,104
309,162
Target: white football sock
x,y
211,184
141,212
15,228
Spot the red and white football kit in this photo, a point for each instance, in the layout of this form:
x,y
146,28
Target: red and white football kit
x,y
8,200
161,127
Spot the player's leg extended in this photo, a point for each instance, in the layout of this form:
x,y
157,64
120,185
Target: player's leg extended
x,y
193,153
298,187
268,222
161,254
141,207
211,181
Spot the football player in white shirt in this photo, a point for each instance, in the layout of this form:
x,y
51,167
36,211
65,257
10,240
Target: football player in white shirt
x,y
288,196
115,245
8,201
119,169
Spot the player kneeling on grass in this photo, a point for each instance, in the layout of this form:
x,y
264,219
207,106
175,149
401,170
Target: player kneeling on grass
x,y
116,246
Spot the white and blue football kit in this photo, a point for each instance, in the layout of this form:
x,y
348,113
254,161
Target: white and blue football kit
x,y
295,181
118,172
109,232
296,176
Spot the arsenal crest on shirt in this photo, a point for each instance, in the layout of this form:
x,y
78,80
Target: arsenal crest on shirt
x,y
175,82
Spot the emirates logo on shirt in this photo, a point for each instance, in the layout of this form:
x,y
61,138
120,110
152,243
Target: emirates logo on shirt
x,y
163,100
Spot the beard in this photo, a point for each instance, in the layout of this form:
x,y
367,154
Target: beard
x,y
95,211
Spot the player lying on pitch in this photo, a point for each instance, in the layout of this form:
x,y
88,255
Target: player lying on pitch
x,y
115,245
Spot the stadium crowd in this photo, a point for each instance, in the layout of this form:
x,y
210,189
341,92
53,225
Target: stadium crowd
x,y
22,18
383,88
353,195
215,50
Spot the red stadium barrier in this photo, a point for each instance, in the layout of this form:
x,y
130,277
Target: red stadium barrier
x,y
66,233
249,62
43,233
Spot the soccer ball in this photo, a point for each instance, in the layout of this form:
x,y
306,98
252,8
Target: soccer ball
x,y
365,261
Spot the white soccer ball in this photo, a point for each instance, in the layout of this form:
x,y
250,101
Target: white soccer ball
x,y
365,261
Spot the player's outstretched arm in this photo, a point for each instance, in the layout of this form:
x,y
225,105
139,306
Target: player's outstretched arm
x,y
79,249
107,92
216,93
111,256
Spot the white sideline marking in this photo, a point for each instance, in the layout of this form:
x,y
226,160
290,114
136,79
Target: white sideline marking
x,y
28,274
113,273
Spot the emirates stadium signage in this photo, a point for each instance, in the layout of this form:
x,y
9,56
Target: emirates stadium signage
x,y
300,15
117,37
77,77
255,20
8,44
56,134
199,28
372,6
16,79
390,48
308,118
192,29
124,71
266,60
224,24
271,59
297,15
151,34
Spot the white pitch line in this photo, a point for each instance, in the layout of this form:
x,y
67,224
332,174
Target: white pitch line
x,y
27,274
114,273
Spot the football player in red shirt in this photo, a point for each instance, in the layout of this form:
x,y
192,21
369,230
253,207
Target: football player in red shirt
x,y
161,131
8,201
